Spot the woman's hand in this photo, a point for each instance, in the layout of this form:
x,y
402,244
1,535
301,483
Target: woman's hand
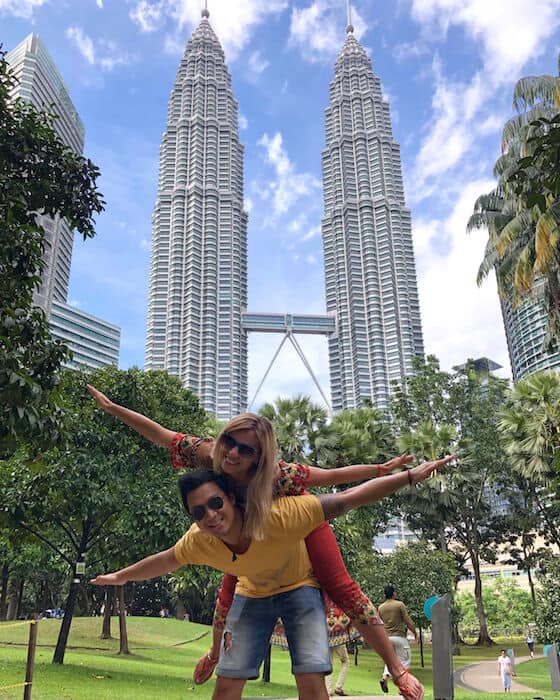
x,y
395,463
102,401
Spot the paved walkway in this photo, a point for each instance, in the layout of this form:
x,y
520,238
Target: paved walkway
x,y
483,677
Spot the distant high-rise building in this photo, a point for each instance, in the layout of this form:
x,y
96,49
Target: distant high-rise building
x,y
370,273
525,327
41,84
198,278
94,342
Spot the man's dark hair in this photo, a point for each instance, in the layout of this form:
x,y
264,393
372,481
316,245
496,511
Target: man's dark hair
x,y
389,591
191,481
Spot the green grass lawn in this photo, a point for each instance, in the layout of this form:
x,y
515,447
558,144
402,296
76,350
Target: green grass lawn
x,y
164,653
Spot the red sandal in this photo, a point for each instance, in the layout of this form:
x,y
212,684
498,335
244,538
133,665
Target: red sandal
x,y
205,668
409,686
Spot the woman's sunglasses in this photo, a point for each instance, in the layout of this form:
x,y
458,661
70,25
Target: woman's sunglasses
x,y
214,503
244,450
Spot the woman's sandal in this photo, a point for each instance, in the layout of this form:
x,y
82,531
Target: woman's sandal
x,y
409,686
205,668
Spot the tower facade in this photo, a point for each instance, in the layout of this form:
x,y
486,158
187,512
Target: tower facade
x,y
370,274
526,327
198,277
41,84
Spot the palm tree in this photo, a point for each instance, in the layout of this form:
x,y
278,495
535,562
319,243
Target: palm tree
x,y
522,215
297,422
530,432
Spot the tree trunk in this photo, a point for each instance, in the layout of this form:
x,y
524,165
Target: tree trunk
x,y
123,646
107,612
4,576
19,598
12,599
62,640
484,638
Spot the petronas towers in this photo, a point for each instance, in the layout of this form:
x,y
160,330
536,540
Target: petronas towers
x,y
198,281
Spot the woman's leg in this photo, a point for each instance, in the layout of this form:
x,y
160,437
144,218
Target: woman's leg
x,y
331,572
205,666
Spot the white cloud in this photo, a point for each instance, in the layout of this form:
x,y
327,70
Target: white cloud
x,y
99,4
107,55
20,8
243,122
233,21
311,259
82,42
148,16
289,185
318,32
256,64
312,233
459,319
462,110
510,36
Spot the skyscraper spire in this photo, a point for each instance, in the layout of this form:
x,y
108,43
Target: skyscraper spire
x,y
198,280
370,276
205,13
349,26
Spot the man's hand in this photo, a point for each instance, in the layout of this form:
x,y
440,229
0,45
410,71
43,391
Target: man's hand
x,y
102,401
395,463
423,471
115,579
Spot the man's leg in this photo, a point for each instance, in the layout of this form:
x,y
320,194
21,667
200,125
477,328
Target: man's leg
x,y
329,676
228,688
303,614
311,686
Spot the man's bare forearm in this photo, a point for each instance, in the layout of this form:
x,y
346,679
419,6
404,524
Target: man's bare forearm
x,y
150,567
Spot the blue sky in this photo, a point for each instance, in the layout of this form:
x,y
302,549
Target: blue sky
x,y
447,67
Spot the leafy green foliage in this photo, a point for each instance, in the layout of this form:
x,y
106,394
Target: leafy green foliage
x,y
39,174
508,608
548,603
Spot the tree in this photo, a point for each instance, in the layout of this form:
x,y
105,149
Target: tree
x,y
508,608
296,424
529,429
108,495
455,509
39,174
522,215
361,436
548,603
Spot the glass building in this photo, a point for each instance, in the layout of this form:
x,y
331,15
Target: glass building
x,y
94,342
41,84
198,278
526,327
370,273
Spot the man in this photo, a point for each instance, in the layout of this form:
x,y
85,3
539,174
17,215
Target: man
x,y
338,624
396,620
275,576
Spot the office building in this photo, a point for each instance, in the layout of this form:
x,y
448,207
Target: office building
x,y
41,84
198,277
370,272
94,342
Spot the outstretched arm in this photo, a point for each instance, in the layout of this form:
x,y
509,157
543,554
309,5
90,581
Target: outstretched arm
x,y
408,622
355,472
374,490
152,431
150,567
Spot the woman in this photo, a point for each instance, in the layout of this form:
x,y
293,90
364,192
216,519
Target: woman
x,y
246,451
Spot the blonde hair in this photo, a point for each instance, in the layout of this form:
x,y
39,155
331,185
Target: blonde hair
x,y
259,492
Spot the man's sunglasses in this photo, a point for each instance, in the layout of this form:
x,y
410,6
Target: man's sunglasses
x,y
214,503
244,450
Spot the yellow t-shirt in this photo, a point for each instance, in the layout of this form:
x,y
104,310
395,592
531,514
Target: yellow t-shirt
x,y
276,564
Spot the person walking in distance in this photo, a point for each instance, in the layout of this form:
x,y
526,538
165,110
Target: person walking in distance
x,y
338,625
505,670
530,643
396,621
